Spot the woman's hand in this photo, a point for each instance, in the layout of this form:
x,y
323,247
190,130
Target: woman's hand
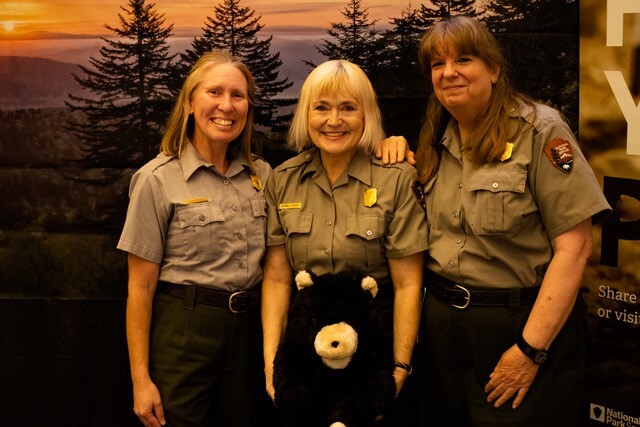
x,y
512,376
147,404
395,149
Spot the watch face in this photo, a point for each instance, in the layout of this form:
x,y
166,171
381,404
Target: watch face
x,y
540,357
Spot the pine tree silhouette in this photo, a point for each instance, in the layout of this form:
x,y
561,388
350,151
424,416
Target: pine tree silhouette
x,y
235,29
357,41
126,115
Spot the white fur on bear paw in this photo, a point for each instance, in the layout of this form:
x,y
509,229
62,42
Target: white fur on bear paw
x,y
369,284
337,424
303,279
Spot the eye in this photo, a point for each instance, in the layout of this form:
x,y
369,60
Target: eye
x,y
320,108
436,64
214,92
239,95
463,59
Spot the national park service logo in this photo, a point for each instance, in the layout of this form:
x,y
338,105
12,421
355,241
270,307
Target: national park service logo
x,y
559,151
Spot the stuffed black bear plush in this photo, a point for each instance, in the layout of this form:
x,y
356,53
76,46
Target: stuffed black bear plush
x,y
332,368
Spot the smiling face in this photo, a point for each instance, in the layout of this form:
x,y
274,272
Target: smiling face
x,y
219,105
462,83
336,124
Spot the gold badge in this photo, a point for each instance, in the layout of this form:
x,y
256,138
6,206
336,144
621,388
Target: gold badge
x,y
507,152
370,197
257,184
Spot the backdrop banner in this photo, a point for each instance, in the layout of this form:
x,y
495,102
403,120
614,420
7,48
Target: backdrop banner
x,y
609,130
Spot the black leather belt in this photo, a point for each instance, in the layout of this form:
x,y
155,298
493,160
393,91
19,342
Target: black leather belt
x,y
236,302
463,296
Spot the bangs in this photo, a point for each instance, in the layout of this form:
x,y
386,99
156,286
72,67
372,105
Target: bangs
x,y
339,84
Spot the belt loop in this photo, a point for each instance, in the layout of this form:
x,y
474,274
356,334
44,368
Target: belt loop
x,y
515,300
189,297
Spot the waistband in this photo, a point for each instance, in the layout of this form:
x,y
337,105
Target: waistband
x,y
463,296
235,302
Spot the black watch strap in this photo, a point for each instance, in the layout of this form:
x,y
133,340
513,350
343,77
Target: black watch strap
x,y
538,356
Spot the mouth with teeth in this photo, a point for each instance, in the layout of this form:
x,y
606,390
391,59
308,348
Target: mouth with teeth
x,y
222,122
334,134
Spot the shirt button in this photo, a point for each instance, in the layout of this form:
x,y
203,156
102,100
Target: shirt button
x,y
329,222
239,236
201,217
369,232
450,263
495,185
234,207
326,250
307,156
225,182
455,214
459,185
458,240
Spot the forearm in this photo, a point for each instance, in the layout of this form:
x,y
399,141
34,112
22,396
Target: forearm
x,y
406,320
276,293
138,324
406,274
559,288
275,305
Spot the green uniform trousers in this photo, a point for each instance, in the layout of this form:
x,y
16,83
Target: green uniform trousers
x,y
207,364
462,347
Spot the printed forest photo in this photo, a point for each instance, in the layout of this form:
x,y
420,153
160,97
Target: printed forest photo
x,y
85,91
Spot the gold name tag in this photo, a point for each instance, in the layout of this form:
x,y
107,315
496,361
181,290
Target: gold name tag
x,y
290,206
198,200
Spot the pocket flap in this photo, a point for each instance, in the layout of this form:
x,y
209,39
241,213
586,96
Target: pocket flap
x,y
297,223
495,181
199,214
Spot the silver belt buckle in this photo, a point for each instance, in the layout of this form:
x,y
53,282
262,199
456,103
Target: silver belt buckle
x,y
233,295
462,307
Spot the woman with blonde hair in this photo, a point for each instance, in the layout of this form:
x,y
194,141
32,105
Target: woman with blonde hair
x,y
194,235
335,206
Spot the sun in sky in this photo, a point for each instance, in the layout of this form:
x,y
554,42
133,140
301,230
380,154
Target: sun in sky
x,y
9,25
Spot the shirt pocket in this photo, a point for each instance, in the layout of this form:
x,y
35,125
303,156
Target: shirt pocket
x,y
203,230
259,220
297,228
497,201
365,236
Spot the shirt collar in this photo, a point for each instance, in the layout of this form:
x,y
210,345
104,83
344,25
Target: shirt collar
x,y
359,168
191,161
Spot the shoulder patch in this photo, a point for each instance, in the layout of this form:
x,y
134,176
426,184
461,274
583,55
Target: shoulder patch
x,y
559,152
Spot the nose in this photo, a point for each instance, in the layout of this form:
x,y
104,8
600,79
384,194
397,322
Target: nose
x,y
334,118
450,69
225,104
335,344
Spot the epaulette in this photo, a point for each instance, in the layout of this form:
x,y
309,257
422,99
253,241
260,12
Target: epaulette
x,y
297,161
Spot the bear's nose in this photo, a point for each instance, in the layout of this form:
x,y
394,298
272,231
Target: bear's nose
x,y
335,344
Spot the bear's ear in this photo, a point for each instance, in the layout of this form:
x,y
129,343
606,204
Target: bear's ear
x,y
303,279
370,284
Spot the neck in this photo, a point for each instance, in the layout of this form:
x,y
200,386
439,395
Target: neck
x,y
335,165
215,154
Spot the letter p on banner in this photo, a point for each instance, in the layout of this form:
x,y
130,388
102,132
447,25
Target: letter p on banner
x,y
615,17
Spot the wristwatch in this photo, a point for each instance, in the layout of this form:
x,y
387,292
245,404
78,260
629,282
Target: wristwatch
x,y
538,356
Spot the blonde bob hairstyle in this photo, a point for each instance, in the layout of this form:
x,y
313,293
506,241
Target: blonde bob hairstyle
x,y
181,124
331,78
461,35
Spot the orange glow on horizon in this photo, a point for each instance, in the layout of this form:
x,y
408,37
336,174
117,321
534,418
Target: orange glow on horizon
x,y
89,17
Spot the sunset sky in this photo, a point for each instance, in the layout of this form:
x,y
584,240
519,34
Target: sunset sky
x,y
89,16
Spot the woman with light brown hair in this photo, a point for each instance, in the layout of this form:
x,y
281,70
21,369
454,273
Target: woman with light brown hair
x,y
510,200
